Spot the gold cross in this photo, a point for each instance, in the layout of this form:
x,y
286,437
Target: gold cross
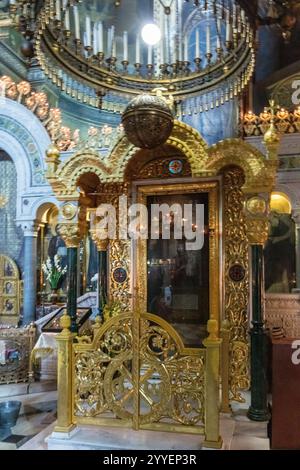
x,y
272,109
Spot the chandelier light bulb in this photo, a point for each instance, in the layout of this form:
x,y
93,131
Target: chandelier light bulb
x,y
151,34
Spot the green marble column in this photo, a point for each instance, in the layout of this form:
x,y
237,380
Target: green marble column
x,y
102,279
72,287
258,410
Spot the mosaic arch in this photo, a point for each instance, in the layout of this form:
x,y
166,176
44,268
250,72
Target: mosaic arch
x,y
24,129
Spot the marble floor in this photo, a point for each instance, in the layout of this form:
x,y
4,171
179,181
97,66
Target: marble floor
x,y
38,410
38,414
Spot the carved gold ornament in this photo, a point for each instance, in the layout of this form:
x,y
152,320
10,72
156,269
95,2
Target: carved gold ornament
x,y
168,382
70,233
257,231
256,205
248,175
236,250
68,211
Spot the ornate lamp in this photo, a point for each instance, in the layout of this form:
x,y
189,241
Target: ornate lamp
x,y
148,121
204,58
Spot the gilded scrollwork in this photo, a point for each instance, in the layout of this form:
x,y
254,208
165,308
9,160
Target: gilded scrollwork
x,y
257,230
160,168
93,364
247,174
70,233
239,369
236,251
170,382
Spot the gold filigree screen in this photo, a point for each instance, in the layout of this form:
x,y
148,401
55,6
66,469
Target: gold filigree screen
x,y
236,270
137,370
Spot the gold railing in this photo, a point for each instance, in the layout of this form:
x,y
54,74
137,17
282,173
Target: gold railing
x,y
285,122
135,372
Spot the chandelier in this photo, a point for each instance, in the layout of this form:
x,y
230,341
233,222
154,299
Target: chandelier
x,y
204,55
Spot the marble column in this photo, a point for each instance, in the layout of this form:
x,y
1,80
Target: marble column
x,y
71,234
30,273
72,254
258,410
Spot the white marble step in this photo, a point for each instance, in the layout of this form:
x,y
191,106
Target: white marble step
x,y
113,438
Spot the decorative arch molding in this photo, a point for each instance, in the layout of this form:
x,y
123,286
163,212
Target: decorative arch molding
x,y
25,140
80,164
42,203
204,161
184,137
259,172
113,168
20,129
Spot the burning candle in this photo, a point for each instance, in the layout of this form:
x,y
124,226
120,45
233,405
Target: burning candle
x,y
208,39
149,54
57,10
100,37
88,31
219,33
228,27
137,50
114,48
67,19
109,42
76,22
125,46
197,43
95,39
186,49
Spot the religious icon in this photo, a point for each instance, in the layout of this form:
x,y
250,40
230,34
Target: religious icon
x,y
8,269
9,306
175,167
8,288
120,275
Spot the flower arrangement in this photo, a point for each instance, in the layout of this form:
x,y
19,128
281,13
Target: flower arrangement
x,y
54,271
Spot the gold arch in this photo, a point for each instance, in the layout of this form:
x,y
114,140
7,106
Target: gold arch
x,y
79,164
259,176
204,161
183,137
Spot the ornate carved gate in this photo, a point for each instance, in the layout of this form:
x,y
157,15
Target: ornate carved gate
x,y
135,372
138,371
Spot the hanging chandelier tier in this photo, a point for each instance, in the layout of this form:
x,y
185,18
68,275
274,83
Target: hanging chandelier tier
x,y
206,49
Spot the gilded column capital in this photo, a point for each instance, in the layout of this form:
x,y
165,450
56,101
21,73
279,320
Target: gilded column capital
x,y
257,230
101,244
70,233
257,223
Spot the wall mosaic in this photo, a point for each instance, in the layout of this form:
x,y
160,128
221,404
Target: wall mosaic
x,y
11,236
19,132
